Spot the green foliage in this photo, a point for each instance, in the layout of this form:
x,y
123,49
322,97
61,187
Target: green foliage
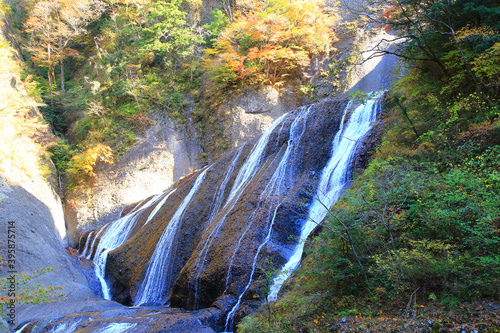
x,y
139,64
16,11
54,111
359,96
453,50
27,291
217,24
61,154
166,35
269,42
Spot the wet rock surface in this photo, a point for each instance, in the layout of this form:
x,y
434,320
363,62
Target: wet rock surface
x,y
129,320
217,242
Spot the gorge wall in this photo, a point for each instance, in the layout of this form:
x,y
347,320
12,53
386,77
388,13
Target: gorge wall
x,y
228,232
33,231
207,242
166,153
169,151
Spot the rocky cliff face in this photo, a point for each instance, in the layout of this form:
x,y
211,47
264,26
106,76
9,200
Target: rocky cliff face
x,y
33,231
152,165
208,242
253,112
168,151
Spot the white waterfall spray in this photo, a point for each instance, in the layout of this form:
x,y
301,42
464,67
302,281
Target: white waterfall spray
x,y
158,207
112,236
334,179
252,164
246,174
91,254
87,243
274,194
155,282
214,229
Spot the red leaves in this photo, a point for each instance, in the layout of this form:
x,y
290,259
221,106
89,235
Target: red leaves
x,y
269,42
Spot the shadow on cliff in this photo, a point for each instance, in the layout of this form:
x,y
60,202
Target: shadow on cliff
x,y
381,77
40,256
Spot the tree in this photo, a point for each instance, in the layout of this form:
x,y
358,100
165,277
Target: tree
x,y
449,34
54,25
269,42
167,36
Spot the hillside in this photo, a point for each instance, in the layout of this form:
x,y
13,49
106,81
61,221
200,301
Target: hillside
x,y
192,122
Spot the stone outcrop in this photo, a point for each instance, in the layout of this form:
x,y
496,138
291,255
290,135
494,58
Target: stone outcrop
x,y
159,159
253,112
220,244
32,226
129,320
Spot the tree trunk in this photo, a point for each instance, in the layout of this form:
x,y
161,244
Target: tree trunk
x,y
62,75
49,74
62,66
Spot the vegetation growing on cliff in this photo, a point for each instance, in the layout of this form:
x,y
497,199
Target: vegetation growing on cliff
x,y
108,71
269,42
120,65
420,227
423,218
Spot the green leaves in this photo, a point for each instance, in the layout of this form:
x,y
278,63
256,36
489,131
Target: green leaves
x,y
27,290
218,22
269,42
166,33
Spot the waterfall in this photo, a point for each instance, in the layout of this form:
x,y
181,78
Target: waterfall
x,y
87,243
218,196
334,179
253,162
158,207
112,236
274,194
155,282
242,218
96,237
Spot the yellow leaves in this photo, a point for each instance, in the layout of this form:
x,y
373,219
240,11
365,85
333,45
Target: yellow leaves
x,y
84,163
483,32
54,23
21,133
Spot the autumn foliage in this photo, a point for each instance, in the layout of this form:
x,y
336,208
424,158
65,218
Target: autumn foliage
x,y
82,166
53,26
269,42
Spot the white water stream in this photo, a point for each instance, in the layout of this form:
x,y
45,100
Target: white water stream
x,y
276,191
154,285
214,230
87,242
110,237
334,179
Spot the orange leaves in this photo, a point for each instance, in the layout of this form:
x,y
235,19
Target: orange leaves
x,y
85,162
270,42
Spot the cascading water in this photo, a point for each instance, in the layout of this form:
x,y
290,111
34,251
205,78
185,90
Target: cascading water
x,y
219,195
110,237
118,328
234,217
155,282
252,164
87,243
276,191
334,179
158,207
